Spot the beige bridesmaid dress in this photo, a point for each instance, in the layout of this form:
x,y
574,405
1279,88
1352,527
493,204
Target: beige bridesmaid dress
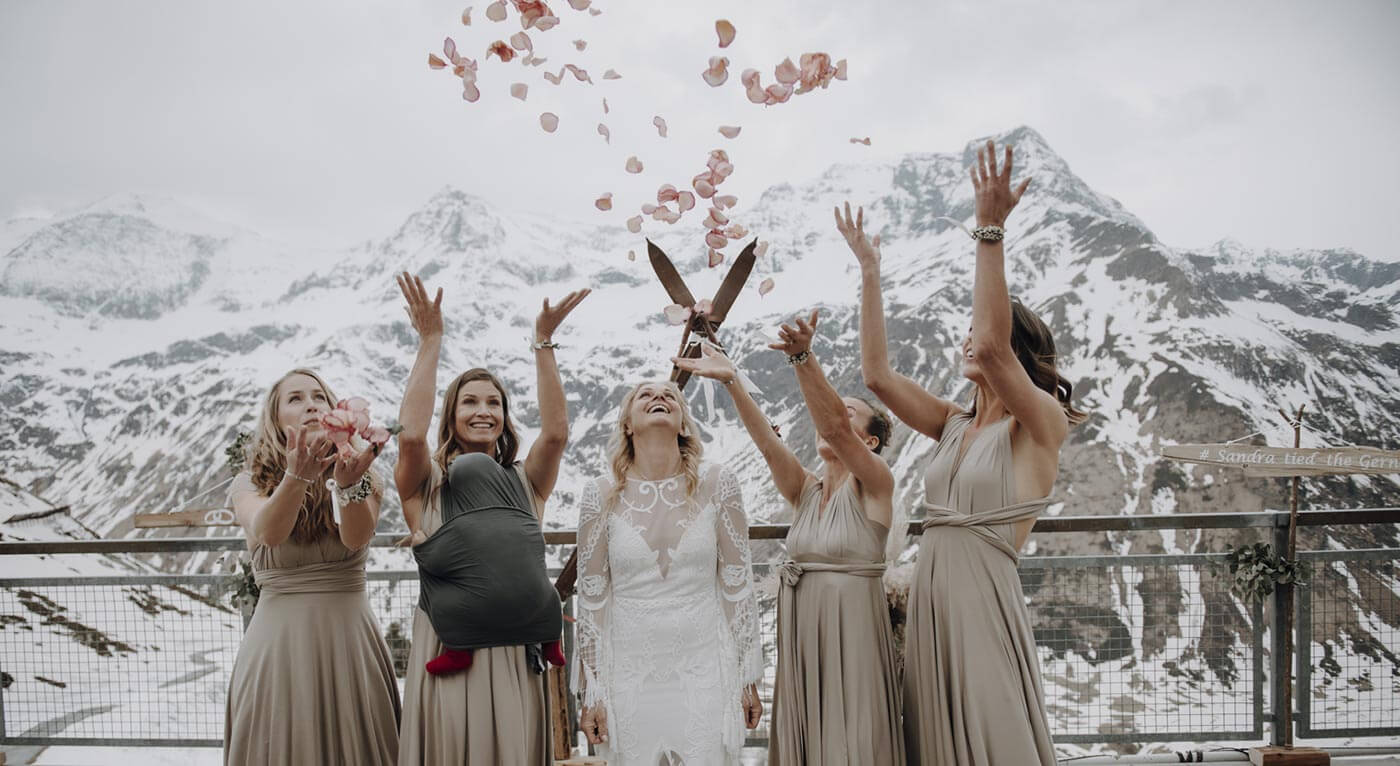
x,y
836,697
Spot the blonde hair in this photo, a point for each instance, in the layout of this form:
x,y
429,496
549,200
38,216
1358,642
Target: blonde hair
x,y
268,462
622,453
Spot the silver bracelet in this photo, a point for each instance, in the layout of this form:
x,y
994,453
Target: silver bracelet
x,y
355,492
288,473
541,345
988,233
800,357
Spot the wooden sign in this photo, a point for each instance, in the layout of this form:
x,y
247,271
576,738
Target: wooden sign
x,y
1288,461
196,517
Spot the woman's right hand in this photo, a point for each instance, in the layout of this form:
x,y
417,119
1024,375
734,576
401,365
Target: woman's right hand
x,y
308,456
594,723
425,315
712,364
867,251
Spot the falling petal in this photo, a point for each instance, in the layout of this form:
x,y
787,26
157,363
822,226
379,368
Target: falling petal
x,y
605,106
716,257
554,78
661,213
634,224
648,208
736,231
667,193
704,306
840,70
660,125
761,248
537,61
703,187
633,165
766,286
729,131
449,49
605,133
718,71
580,44
685,201
676,314
470,93
435,63
604,202
725,30
594,12
549,121
725,200
749,78
777,93
787,72
716,239
500,49
521,42
579,5
519,90
865,140
546,23
631,255
756,94
467,16
496,11
670,217
579,74
611,74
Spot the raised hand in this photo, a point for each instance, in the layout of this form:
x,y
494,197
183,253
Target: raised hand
x,y
712,364
551,317
350,466
308,457
426,315
993,196
795,340
867,251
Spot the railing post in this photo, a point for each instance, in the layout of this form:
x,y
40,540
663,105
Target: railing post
x,y
1281,649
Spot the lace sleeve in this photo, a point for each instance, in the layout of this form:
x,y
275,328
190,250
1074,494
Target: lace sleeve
x,y
735,574
594,588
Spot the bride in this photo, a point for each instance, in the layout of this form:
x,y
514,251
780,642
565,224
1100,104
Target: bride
x,y
668,640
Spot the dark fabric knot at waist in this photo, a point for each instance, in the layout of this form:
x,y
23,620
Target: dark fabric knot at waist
x,y
326,577
792,571
979,523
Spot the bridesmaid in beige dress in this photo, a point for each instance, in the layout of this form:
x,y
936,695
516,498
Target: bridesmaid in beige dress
x,y
972,690
496,711
314,681
836,699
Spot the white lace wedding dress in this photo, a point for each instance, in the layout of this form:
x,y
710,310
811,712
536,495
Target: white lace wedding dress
x,y
667,625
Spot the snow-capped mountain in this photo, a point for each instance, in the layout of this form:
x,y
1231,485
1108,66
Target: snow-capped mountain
x,y
139,337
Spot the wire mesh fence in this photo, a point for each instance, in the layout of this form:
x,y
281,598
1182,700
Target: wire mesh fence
x,y
1135,648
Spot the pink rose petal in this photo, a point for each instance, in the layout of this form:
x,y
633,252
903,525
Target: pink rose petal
x,y
633,165
594,12
667,193
648,208
777,93
449,49
661,213
766,286
496,11
660,125
467,16
605,105
604,202
580,44
749,78
549,121
716,239
377,435
519,90
605,133
716,258
470,93
537,61
634,224
580,5
703,187
670,217
579,74
865,140
500,49
611,74
761,248
718,71
787,72
717,216
631,255
840,70
354,404
756,94
736,231
685,201
676,314
725,201
725,30
729,131
554,78
546,23
704,306
435,63
521,42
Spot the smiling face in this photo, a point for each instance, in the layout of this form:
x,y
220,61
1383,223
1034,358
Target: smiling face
x,y
970,370
301,400
656,406
858,416
480,416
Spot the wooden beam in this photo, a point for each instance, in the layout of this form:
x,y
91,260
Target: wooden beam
x,y
1289,756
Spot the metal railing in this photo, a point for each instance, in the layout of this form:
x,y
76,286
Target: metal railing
x,y
1133,648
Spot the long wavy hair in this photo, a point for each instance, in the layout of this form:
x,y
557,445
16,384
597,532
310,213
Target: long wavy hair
x,y
507,444
622,453
1034,346
268,462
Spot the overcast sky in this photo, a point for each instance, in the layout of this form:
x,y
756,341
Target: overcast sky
x,y
1275,123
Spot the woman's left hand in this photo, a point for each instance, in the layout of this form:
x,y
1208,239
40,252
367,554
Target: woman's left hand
x,y
552,316
350,466
797,339
753,706
993,195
